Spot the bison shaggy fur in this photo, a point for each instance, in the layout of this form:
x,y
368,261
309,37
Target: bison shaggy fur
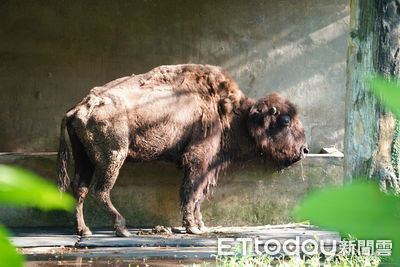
x,y
193,115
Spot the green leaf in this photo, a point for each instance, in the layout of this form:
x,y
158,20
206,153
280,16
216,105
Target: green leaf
x,y
8,253
359,209
20,188
386,91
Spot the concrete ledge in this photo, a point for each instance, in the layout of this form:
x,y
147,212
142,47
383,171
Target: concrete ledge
x,y
45,241
147,193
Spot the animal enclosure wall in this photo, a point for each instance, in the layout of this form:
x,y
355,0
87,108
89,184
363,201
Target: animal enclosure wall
x,y
53,52
147,194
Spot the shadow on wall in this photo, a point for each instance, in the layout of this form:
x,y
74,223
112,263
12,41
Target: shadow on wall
x,y
310,71
53,53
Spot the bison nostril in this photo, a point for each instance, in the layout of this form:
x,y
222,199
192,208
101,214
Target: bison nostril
x,y
286,121
304,150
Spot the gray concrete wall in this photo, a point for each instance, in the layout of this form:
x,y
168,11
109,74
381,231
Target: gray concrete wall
x,y
53,52
147,194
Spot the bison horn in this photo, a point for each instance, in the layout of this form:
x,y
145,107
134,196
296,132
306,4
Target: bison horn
x,y
273,111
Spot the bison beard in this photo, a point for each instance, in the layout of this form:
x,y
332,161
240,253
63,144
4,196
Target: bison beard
x,y
193,115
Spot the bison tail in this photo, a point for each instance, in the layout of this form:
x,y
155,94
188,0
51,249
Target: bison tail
x,y
63,159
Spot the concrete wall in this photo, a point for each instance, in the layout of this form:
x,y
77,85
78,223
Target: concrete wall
x,y
147,194
53,52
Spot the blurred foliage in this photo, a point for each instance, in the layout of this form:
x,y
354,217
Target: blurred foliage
x,y
8,256
360,208
388,92
22,188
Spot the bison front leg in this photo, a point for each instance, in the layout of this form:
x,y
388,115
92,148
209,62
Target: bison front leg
x,y
189,198
198,178
198,217
193,191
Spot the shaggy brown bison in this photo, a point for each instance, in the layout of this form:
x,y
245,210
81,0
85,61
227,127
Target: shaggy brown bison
x,y
193,115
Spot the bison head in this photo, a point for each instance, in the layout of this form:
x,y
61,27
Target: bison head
x,y
278,133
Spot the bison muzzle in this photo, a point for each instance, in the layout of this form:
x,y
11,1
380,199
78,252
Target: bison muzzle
x,y
193,115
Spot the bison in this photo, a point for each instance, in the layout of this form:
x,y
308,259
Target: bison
x,y
193,115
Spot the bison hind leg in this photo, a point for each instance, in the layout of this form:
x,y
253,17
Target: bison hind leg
x,y
83,174
105,175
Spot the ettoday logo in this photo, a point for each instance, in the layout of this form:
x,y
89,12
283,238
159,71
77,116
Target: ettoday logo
x,y
309,247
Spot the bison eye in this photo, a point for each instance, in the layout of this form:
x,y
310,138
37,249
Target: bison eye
x,y
284,120
273,111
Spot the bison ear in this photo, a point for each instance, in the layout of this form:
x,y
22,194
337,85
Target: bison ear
x,y
258,108
254,110
262,108
257,113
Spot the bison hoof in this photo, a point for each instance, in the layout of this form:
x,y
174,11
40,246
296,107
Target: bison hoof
x,y
194,230
122,232
84,232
